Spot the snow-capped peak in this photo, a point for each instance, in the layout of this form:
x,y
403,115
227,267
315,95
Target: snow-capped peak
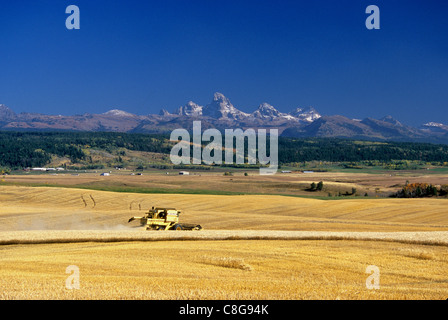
x,y
190,109
267,111
118,113
267,107
434,124
434,127
308,114
221,107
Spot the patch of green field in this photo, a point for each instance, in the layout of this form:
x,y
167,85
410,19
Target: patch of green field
x,y
130,189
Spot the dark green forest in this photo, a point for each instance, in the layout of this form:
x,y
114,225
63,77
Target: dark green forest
x,y
340,150
36,149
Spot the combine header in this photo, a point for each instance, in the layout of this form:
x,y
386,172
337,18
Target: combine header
x,y
164,219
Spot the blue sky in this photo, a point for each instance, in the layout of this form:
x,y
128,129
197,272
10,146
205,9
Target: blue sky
x,y
141,56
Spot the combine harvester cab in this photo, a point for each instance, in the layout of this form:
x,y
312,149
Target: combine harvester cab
x,y
164,219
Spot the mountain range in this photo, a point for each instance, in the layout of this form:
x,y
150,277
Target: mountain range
x,y
220,113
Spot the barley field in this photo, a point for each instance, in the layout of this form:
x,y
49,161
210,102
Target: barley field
x,y
252,246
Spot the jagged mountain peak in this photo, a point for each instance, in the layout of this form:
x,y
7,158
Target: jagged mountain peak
x,y
222,108
307,114
300,110
6,113
4,107
190,109
218,96
164,112
266,106
267,111
220,113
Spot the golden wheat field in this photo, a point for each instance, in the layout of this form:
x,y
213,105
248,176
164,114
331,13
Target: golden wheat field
x,y
49,208
243,269
252,246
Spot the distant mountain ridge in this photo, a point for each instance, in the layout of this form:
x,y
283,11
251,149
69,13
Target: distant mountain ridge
x,y
222,109
220,113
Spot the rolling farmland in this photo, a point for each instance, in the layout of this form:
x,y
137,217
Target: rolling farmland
x,y
254,246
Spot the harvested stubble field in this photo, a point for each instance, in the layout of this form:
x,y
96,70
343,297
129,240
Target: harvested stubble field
x,y
253,247
238,269
49,208
209,182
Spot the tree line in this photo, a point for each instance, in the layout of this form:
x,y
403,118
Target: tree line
x,y
341,150
36,149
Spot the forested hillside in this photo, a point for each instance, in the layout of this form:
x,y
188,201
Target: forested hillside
x,y
36,149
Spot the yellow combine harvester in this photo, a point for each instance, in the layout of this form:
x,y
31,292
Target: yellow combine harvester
x,y
164,219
